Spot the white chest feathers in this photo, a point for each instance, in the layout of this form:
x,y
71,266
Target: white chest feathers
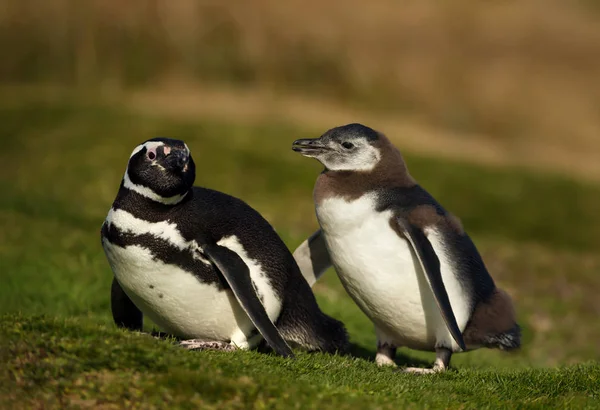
x,y
178,301
381,273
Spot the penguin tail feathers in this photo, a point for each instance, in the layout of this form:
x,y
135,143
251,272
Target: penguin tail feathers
x,y
506,341
330,336
312,330
493,324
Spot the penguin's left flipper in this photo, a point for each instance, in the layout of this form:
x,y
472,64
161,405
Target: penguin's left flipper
x,y
237,275
125,313
431,267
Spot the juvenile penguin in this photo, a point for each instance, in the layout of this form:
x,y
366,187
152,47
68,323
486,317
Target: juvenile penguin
x,y
404,260
205,266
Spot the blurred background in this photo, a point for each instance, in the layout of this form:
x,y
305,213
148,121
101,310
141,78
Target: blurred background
x,y
496,106
516,79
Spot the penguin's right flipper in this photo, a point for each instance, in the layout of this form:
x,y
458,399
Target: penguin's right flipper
x,y
124,312
237,275
312,257
431,267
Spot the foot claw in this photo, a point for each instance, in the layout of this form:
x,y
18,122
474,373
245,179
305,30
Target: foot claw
x,y
198,344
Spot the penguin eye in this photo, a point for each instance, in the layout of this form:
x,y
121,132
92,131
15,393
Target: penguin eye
x,y
151,155
347,145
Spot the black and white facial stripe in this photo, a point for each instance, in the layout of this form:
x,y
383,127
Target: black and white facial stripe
x,y
155,171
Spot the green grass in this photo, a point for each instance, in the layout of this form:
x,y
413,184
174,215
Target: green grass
x,y
61,167
59,361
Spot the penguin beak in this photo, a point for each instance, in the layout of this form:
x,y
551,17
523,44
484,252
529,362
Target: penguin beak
x,y
178,159
309,147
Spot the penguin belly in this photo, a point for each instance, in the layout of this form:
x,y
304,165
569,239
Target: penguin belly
x,y
381,273
176,300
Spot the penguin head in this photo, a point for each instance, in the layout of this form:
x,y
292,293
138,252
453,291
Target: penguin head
x,y
352,147
161,169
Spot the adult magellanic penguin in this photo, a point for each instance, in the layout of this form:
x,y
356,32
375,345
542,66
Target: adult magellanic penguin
x,y
203,265
405,261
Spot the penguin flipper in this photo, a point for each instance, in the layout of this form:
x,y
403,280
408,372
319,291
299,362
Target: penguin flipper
x,y
431,267
237,275
125,313
312,257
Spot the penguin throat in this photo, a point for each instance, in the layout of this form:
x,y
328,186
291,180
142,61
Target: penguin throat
x,y
150,194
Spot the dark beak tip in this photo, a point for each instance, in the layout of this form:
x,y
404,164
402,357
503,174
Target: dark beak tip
x,y
178,158
301,141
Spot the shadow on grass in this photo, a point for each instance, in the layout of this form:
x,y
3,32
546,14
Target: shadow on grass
x,y
401,359
360,352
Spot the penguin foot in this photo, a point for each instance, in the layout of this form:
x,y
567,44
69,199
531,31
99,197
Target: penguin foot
x,y
442,361
420,370
199,344
386,351
382,359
